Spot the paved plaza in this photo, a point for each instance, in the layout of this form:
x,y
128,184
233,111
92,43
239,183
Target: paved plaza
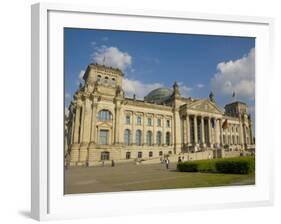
x,y
131,177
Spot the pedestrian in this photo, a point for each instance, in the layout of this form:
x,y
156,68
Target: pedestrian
x,y
167,163
112,163
179,159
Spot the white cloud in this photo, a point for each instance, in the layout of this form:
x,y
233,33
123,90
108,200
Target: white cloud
x,y
139,88
200,85
184,89
67,95
93,43
238,76
81,74
112,56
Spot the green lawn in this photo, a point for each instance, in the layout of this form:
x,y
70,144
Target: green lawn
x,y
131,177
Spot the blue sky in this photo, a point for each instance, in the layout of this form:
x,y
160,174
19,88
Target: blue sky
x,y
200,63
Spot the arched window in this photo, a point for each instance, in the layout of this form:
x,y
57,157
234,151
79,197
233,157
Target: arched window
x,y
168,123
168,138
127,136
233,140
138,137
99,78
158,137
113,81
160,153
149,138
104,115
105,79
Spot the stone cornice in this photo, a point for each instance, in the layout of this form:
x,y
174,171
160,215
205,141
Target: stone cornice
x,y
143,104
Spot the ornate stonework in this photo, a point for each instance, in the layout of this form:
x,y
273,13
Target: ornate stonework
x,y
105,125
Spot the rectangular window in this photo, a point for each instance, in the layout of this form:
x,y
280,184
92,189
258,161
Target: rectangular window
x,y
158,122
138,120
103,137
128,119
168,123
149,121
139,155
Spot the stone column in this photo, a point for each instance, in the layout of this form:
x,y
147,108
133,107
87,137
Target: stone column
x,y
77,124
163,131
221,132
217,131
195,130
86,127
183,130
202,131
187,130
82,124
210,132
74,154
133,132
94,123
94,139
117,122
144,129
154,119
72,128
241,133
86,121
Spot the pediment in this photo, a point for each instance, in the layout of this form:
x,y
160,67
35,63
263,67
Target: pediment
x,y
205,106
104,124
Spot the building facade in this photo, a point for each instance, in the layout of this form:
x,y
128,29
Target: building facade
x,y
104,124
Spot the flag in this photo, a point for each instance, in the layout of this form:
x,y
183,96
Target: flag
x,y
224,125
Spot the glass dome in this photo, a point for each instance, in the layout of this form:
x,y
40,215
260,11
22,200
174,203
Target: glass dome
x,y
158,95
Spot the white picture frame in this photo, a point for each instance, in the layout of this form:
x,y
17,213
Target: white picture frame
x,y
48,201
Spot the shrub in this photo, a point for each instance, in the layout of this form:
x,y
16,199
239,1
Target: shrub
x,y
187,167
239,165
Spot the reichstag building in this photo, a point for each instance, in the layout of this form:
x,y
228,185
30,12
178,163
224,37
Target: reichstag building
x,y
103,124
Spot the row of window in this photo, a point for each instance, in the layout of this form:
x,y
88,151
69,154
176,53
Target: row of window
x,y
106,80
149,137
149,121
106,155
105,115
234,140
104,135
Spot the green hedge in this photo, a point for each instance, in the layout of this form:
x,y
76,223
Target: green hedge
x,y
238,165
